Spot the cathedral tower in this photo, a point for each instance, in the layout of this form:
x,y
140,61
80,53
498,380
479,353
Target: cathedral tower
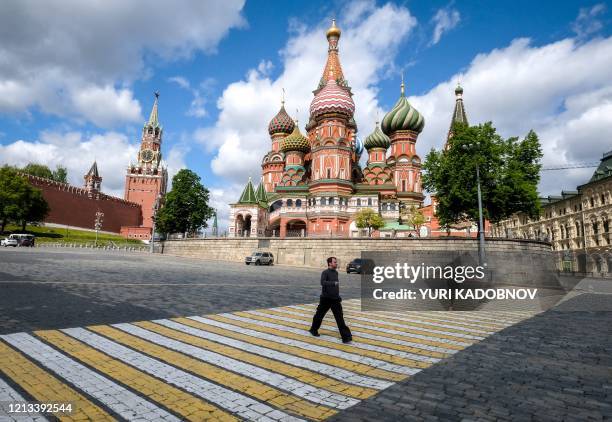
x,y
147,178
93,181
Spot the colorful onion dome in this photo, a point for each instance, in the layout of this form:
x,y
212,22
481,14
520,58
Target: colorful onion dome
x,y
295,142
333,30
358,145
377,139
332,99
281,123
402,117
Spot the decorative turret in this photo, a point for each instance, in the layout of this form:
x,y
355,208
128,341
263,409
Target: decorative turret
x,y
377,139
261,195
93,181
402,116
295,142
248,194
459,115
281,123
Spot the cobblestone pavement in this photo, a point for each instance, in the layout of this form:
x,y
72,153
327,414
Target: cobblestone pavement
x,y
255,365
113,340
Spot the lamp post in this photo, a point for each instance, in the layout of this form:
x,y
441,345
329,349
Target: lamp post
x,y
98,225
481,240
153,217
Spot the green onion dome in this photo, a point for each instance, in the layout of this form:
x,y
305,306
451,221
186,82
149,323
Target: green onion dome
x,y
281,123
402,117
377,139
295,141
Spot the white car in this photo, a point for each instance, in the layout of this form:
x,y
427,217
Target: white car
x,y
9,241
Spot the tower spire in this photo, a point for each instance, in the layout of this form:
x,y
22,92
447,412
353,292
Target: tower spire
x,y
459,115
153,118
333,70
402,86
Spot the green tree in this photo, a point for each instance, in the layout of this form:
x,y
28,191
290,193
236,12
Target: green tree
x,y
59,175
369,219
415,218
185,207
509,175
19,201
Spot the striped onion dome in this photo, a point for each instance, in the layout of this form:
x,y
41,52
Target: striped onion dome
x,y
295,142
281,123
402,117
377,139
332,99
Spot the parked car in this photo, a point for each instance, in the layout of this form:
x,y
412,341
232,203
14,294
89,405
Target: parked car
x,y
9,241
259,258
354,266
24,239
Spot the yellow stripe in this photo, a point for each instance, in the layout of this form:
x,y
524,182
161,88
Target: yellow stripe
x,y
343,347
407,336
413,330
438,319
408,324
44,387
260,391
184,404
356,367
380,343
303,375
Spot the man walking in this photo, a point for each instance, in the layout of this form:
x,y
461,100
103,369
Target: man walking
x,y
330,298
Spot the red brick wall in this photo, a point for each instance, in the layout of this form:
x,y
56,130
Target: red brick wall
x,y
72,206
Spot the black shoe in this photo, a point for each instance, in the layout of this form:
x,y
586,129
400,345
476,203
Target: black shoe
x,y
347,340
314,333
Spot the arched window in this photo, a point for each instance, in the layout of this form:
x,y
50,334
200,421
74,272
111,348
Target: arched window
x,y
298,203
370,201
392,207
331,200
289,202
322,201
358,202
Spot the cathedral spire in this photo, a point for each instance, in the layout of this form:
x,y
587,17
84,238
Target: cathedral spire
x,y
459,115
333,69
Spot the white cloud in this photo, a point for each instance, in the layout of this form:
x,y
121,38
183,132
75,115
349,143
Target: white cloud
x,y
368,47
60,56
561,90
587,22
197,107
445,20
113,151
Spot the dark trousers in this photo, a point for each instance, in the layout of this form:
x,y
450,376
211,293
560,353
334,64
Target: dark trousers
x,y
324,306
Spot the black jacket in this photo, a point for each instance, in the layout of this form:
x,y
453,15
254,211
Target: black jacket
x,y
330,285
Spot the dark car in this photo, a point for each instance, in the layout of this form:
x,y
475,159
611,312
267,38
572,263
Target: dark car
x,y
354,266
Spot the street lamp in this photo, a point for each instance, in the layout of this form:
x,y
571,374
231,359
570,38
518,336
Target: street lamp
x,y
481,240
98,225
153,217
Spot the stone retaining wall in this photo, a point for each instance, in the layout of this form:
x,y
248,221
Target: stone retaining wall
x,y
517,259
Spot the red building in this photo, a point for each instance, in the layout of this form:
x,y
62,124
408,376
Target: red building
x,y
147,179
313,184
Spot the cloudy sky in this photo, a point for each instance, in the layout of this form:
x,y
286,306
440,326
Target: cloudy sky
x,y
77,78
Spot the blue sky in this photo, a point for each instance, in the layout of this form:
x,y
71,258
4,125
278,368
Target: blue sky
x,y
80,88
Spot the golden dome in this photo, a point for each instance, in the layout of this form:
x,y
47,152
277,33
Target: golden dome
x,y
333,30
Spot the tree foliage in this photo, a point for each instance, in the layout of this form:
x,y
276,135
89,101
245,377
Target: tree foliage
x,y
369,219
20,202
59,175
415,218
185,207
509,175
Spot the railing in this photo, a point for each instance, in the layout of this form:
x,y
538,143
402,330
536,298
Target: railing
x,y
137,248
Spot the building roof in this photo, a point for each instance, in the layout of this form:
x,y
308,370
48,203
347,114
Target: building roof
x,y
154,116
93,171
604,169
403,116
261,194
377,139
248,194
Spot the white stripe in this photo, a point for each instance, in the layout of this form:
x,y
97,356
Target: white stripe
x,y
427,319
7,396
420,321
393,340
410,335
312,347
429,330
122,401
328,370
243,405
355,343
291,385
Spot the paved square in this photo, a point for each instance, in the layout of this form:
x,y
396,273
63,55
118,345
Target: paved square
x,y
256,365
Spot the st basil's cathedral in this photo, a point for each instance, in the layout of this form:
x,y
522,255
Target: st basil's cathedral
x,y
312,184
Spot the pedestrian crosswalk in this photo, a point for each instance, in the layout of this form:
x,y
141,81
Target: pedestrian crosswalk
x,y
251,365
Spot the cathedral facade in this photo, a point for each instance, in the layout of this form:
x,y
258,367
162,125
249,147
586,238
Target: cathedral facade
x,y
312,183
